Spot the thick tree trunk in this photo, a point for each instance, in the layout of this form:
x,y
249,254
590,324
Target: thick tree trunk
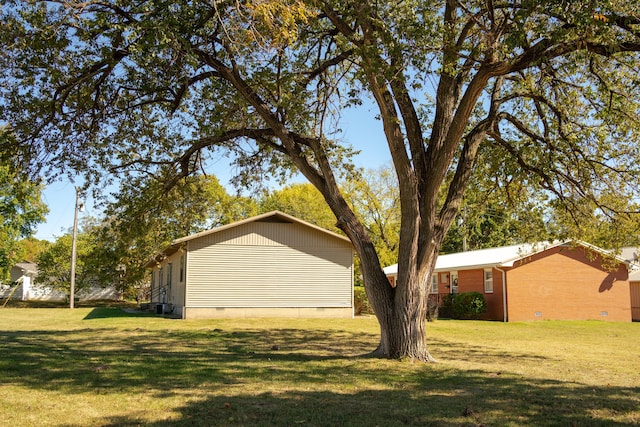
x,y
402,329
404,338
401,312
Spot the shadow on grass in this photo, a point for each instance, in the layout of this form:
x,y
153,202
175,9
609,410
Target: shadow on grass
x,y
430,403
109,312
64,305
295,377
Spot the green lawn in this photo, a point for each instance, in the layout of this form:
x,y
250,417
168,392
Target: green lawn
x,y
104,367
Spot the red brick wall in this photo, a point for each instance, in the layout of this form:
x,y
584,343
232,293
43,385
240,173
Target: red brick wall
x,y
564,283
495,304
473,281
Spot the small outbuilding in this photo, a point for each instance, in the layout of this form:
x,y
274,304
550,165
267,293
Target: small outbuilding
x,y
270,265
22,276
560,281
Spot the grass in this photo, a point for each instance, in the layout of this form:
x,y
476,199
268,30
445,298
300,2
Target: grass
x,y
105,367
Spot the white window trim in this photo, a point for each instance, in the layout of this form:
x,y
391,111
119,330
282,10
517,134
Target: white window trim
x,y
488,289
433,289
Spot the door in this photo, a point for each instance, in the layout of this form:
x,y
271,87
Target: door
x,y
635,301
454,282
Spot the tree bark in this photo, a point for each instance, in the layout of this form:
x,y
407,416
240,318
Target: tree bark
x,y
402,318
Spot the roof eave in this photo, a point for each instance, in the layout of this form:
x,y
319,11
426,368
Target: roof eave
x,y
467,267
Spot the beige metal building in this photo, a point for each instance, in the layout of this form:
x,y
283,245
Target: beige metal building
x,y
271,265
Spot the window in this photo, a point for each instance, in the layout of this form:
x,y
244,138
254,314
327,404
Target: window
x,y
488,281
182,269
433,289
169,274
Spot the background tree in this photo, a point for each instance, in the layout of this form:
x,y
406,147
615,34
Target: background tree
x,y
303,201
145,217
54,262
551,87
21,210
499,209
30,248
375,198
606,229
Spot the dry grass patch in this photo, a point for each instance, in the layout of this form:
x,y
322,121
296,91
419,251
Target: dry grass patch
x,y
106,367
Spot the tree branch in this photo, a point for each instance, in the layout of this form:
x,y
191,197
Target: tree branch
x,y
324,66
182,90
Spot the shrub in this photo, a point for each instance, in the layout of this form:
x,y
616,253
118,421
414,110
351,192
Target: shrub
x,y
361,302
468,305
446,308
432,307
447,300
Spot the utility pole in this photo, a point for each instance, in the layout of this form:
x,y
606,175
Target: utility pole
x,y
72,290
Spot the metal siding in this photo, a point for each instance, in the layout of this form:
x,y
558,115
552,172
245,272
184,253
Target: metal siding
x,y
269,265
175,293
174,288
269,234
155,286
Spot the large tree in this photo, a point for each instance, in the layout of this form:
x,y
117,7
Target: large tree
x,y
551,87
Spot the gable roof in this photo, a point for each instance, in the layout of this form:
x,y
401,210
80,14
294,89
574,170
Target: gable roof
x,y
273,216
505,256
28,268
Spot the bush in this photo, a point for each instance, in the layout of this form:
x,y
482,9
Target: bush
x,y
361,302
432,307
445,310
468,305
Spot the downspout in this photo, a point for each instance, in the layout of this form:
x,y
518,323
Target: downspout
x,y
504,293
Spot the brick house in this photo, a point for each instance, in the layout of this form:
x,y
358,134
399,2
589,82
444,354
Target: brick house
x,y
561,281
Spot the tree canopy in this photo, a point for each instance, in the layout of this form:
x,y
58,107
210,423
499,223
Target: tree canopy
x,y
549,90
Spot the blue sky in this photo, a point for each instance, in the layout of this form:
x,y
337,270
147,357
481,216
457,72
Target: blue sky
x,y
359,127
